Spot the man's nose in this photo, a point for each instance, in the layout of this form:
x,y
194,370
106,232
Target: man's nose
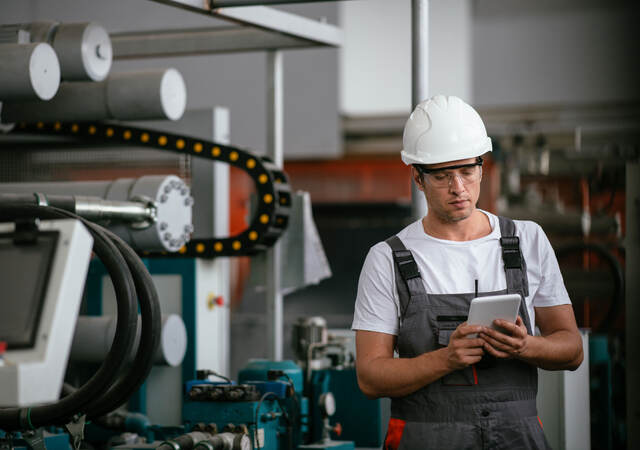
x,y
455,183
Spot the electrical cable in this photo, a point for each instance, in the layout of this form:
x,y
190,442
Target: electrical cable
x,y
257,415
76,402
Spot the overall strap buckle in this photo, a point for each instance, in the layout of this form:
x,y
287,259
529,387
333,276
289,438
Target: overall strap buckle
x,y
406,264
511,254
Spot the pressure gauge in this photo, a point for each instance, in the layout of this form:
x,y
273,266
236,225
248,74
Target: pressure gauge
x,y
327,404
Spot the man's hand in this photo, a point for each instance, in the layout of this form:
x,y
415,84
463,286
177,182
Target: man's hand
x,y
463,351
510,344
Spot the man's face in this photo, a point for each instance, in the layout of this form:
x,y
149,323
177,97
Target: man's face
x,y
451,194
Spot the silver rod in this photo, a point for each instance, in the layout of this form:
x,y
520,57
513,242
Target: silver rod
x,y
632,283
419,80
98,210
274,300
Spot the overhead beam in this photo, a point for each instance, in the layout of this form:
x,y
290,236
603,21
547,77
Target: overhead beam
x,y
198,41
268,19
231,3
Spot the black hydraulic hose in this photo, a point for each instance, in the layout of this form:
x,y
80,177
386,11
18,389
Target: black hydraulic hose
x,y
151,320
616,270
75,403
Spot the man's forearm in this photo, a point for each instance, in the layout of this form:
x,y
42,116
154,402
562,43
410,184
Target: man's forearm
x,y
397,377
561,350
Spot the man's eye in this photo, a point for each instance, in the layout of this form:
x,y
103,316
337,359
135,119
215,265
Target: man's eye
x,y
440,176
468,171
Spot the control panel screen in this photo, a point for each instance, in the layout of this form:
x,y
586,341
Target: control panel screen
x,y
24,275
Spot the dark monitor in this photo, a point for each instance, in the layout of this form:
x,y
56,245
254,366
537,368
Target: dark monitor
x,y
24,275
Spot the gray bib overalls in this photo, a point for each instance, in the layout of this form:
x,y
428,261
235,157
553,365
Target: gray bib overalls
x,y
490,405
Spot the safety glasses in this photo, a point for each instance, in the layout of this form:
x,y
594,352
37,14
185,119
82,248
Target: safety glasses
x,y
442,177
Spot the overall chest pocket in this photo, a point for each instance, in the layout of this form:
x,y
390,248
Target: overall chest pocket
x,y
446,325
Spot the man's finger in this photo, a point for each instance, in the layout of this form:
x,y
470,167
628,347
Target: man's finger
x,y
494,352
476,351
499,337
495,343
464,329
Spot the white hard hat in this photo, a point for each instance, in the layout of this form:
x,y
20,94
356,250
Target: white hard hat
x,y
441,129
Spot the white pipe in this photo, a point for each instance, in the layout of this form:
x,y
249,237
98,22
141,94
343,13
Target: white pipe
x,y
419,80
274,300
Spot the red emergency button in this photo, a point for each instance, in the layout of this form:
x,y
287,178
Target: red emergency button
x,y
219,300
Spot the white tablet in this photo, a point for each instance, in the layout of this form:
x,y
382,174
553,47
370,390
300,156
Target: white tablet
x,y
484,310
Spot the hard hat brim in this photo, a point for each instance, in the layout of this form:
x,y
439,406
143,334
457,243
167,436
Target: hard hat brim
x,y
437,156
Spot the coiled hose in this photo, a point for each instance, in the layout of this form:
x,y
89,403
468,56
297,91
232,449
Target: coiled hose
x,y
617,295
130,278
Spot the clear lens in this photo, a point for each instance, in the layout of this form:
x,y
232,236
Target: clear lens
x,y
467,175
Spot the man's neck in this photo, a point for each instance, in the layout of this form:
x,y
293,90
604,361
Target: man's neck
x,y
475,226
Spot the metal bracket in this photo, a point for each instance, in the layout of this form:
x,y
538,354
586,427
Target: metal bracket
x,y
76,430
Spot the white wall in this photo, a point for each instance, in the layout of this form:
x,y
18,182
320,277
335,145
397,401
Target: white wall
x,y
492,52
375,61
555,52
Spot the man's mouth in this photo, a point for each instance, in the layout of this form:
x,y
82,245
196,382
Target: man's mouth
x,y
458,203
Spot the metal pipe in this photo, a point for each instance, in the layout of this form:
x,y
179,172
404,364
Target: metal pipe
x,y
419,80
142,213
632,246
274,300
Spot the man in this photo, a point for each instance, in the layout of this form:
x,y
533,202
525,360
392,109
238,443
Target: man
x,y
448,389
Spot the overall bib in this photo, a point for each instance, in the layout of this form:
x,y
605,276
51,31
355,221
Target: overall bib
x,y
489,405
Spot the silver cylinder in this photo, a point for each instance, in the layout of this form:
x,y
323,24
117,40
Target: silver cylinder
x,y
29,72
155,93
83,49
142,95
94,335
308,331
170,196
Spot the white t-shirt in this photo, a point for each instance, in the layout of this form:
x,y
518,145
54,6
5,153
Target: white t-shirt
x,y
449,267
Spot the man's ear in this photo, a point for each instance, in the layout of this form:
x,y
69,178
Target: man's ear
x,y
417,178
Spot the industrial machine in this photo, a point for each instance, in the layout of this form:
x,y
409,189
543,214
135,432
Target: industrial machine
x,y
117,337
42,271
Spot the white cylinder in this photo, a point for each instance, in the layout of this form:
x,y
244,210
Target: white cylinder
x,y
155,93
94,335
84,50
29,71
142,95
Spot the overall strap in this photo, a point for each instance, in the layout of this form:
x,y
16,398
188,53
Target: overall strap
x,y
515,267
408,280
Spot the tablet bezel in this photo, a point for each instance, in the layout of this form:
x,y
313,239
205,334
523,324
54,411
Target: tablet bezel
x,y
484,310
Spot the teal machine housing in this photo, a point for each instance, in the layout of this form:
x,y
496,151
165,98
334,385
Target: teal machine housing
x,y
363,420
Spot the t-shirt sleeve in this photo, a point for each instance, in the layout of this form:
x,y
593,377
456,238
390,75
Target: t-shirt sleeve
x,y
552,291
376,305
